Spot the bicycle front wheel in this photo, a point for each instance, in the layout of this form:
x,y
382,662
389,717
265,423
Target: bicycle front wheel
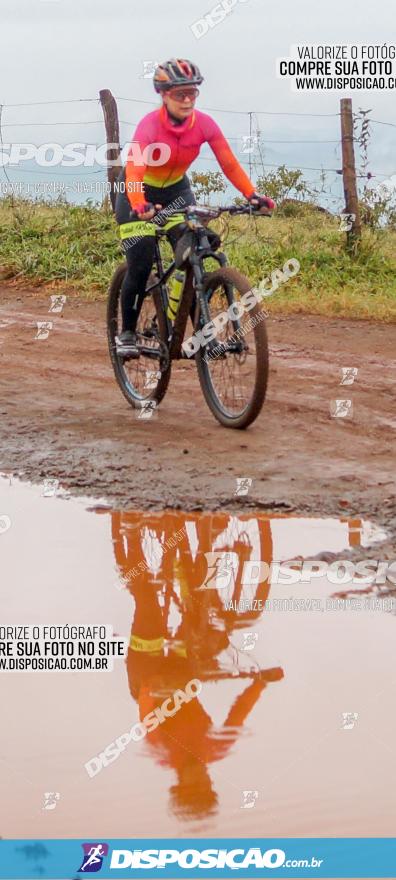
x,y
233,368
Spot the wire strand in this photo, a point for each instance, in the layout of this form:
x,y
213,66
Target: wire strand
x,y
244,112
43,103
33,124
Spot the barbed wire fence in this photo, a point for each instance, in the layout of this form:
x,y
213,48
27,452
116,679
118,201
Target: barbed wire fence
x,y
343,144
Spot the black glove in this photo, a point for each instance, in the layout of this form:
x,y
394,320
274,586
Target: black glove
x,y
262,202
143,208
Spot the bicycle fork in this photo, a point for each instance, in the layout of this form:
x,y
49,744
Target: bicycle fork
x,y
234,347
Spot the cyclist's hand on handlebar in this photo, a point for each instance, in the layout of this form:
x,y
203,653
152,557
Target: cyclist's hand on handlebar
x,y
144,211
263,204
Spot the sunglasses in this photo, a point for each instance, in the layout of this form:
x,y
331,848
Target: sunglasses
x,y
180,95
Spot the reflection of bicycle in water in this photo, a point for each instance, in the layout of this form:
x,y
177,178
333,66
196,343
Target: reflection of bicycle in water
x,y
148,543
93,854
180,632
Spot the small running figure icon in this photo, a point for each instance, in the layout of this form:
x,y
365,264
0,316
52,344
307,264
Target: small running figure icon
x,y
95,855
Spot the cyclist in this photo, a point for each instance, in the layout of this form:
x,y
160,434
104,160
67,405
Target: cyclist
x,y
163,657
181,130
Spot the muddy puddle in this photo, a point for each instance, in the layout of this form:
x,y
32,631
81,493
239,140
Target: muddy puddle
x,y
293,730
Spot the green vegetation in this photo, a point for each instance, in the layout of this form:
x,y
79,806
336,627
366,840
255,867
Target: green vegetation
x,y
77,247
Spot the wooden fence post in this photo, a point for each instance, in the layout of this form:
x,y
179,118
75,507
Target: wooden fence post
x,y
110,113
349,171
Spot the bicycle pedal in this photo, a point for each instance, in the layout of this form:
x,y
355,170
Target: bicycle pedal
x,y
127,352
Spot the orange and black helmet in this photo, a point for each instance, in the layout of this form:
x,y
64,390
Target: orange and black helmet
x,y
176,72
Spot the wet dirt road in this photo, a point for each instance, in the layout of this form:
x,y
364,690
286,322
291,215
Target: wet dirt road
x,y
293,731
63,416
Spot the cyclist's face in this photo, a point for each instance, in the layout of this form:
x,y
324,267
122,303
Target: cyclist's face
x,y
180,101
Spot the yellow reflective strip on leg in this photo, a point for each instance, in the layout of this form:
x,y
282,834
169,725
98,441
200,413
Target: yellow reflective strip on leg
x,y
179,649
174,221
150,646
136,229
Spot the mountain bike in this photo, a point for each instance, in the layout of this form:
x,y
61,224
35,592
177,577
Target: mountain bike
x,y
229,342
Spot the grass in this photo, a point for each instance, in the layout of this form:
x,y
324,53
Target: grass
x,y
78,247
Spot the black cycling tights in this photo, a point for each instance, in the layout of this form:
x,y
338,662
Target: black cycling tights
x,y
139,252
139,256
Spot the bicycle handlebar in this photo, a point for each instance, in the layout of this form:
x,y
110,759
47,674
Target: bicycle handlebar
x,y
210,212
273,674
233,209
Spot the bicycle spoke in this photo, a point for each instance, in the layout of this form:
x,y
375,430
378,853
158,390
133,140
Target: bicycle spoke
x,y
231,375
138,370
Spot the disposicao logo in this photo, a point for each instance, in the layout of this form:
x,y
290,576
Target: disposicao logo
x,y
236,859
189,859
94,854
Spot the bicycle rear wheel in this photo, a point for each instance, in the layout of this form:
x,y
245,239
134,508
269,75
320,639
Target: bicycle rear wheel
x,y
234,377
147,377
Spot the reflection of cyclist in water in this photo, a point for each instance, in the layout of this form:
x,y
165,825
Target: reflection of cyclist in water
x,y
179,633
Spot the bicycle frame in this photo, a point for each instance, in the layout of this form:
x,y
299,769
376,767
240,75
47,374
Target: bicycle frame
x,y
193,285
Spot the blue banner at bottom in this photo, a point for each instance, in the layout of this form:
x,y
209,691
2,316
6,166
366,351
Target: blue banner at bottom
x,y
215,857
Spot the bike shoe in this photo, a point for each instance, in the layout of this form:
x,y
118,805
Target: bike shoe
x,y
126,344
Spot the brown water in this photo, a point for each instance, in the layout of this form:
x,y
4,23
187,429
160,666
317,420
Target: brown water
x,y
268,720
